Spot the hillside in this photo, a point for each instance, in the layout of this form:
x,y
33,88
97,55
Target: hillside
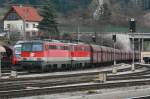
x,y
80,12
61,6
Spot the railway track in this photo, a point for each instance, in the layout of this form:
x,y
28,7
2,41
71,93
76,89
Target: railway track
x,y
141,97
7,71
63,75
70,88
62,83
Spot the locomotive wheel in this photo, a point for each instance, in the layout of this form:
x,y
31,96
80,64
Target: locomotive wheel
x,y
64,67
54,68
68,66
47,68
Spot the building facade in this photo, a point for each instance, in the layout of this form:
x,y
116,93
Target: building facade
x,y
22,20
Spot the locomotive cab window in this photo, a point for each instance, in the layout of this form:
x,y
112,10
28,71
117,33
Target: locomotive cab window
x,y
37,47
32,47
17,50
27,47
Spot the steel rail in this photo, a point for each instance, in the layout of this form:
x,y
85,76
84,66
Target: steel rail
x,y
65,75
65,81
70,88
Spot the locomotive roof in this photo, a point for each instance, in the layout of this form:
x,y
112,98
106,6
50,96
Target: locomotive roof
x,y
33,41
17,45
52,40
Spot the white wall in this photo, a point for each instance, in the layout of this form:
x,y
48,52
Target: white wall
x,y
17,25
30,26
14,25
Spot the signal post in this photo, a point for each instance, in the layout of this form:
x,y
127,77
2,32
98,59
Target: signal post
x,y
132,29
114,70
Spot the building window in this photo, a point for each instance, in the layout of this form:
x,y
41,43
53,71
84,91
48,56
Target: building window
x,y
33,33
27,25
34,26
21,27
8,26
28,34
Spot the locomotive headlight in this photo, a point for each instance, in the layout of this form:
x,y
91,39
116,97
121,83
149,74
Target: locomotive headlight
x,y
32,54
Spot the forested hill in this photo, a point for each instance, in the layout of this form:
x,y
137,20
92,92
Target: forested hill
x,y
60,5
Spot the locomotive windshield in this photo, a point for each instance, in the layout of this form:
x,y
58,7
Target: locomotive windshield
x,y
32,47
37,47
17,50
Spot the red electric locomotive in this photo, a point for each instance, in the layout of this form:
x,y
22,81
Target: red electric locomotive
x,y
44,55
80,55
47,55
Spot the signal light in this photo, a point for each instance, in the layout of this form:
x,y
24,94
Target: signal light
x,y
132,25
94,38
114,38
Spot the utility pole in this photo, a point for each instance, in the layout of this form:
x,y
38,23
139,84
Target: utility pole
x,y
133,55
142,47
8,32
24,31
79,21
24,24
78,31
139,48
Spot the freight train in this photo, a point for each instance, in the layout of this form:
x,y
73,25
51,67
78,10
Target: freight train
x,y
53,55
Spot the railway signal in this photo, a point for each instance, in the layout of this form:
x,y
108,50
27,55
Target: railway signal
x,y
94,39
114,38
132,27
114,66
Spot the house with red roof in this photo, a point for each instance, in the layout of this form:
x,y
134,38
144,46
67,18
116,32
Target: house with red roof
x,y
23,20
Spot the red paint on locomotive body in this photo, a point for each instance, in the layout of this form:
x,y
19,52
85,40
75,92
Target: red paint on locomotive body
x,y
45,53
32,54
57,50
16,53
80,52
14,60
